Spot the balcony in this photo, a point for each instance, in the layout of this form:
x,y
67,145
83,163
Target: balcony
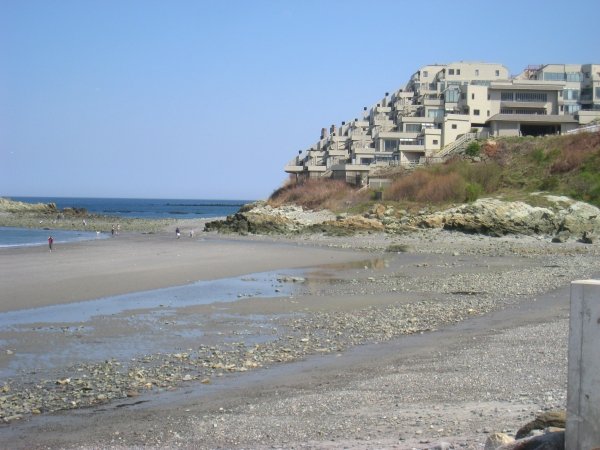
x,y
295,165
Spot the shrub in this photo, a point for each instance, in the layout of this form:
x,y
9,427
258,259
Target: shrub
x,y
549,183
473,149
473,191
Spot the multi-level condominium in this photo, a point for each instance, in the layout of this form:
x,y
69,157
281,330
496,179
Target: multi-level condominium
x,y
443,106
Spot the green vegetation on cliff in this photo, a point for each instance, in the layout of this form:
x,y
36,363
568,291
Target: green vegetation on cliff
x,y
509,167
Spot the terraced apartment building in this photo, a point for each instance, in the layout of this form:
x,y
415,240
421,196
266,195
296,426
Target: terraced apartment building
x,y
445,106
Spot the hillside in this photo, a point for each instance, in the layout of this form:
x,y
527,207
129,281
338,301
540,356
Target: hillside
x,y
512,168
546,186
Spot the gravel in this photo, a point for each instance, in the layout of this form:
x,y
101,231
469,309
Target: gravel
x,y
451,388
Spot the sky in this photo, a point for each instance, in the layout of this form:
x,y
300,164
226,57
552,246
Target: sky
x,y
210,99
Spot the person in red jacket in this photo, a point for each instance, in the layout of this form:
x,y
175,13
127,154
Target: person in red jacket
x,y
50,242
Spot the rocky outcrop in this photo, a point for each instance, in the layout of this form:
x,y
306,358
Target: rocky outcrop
x,y
494,217
11,206
261,218
561,220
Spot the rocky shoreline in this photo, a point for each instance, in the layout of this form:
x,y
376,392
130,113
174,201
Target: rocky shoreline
x,y
560,220
421,280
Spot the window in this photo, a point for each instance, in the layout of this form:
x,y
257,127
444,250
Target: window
x,y
435,142
598,92
497,73
488,113
571,94
425,74
475,112
451,95
463,96
571,109
507,96
575,76
413,127
435,113
454,127
554,76
586,94
457,71
450,71
390,145
476,72
472,96
531,96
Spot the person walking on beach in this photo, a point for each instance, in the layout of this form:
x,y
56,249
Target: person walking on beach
x,y
177,232
50,242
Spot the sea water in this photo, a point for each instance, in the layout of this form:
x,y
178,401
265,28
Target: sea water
x,y
24,237
144,208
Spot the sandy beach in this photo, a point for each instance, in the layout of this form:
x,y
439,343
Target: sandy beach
x,y
339,344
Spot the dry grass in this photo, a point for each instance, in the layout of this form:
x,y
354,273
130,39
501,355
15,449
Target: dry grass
x,y
574,151
428,187
329,194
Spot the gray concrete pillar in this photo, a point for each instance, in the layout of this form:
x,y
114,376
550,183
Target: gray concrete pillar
x,y
583,392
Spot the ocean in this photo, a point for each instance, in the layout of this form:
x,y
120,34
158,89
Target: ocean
x,y
141,208
144,208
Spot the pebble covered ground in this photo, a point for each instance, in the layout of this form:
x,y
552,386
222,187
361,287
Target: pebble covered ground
x,y
446,398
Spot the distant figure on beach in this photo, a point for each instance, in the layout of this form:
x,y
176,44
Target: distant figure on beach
x,y
84,223
112,231
177,232
50,242
191,233
118,228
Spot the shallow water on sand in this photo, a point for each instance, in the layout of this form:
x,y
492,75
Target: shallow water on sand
x,y
52,336
26,237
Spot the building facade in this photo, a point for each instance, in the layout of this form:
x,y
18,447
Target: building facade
x,y
443,106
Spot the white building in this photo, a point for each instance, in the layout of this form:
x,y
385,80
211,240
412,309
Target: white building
x,y
445,105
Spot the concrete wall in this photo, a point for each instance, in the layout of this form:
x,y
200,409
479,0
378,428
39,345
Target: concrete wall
x,y
454,126
583,393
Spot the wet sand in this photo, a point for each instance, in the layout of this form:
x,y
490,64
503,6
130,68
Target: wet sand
x,y
34,277
456,338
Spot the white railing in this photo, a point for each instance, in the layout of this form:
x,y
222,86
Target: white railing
x,y
459,143
587,129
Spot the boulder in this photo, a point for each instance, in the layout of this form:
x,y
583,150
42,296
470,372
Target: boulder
x,y
547,441
542,421
494,217
496,440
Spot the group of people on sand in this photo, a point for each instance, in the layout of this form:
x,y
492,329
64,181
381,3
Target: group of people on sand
x,y
178,233
116,230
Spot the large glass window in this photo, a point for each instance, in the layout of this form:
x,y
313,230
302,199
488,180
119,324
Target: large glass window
x,y
390,145
574,76
413,127
554,76
531,96
598,92
452,95
435,113
507,96
572,109
571,94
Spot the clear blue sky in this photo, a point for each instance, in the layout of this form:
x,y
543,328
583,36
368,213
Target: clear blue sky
x,y
207,99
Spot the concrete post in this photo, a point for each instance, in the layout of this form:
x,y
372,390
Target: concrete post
x,y
583,392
